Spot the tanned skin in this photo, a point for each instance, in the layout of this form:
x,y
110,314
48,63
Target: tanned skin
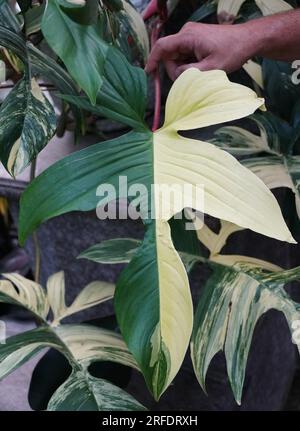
x,y
228,47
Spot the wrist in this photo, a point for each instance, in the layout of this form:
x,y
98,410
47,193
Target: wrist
x,y
258,37
252,38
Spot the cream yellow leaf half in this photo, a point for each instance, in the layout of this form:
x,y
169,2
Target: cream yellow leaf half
x,y
231,192
269,7
176,307
201,99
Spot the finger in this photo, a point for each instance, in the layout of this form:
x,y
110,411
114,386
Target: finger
x,y
171,67
169,47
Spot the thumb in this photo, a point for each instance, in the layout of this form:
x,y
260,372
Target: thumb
x,y
203,65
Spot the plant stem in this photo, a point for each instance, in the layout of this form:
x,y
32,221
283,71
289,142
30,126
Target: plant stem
x,y
157,81
150,10
37,263
157,106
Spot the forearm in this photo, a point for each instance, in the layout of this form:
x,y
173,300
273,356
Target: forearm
x,y
276,37
225,47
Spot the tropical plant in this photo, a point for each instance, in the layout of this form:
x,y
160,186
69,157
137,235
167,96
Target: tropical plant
x,y
152,300
81,391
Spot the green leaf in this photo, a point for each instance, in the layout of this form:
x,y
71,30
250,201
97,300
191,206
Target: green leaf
x,y
83,12
86,393
33,19
28,122
230,305
113,5
83,51
205,10
84,170
47,67
8,18
123,95
112,251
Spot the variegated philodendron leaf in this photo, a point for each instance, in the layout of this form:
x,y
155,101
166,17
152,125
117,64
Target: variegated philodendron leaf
x,y
93,294
231,8
82,345
112,251
18,290
85,392
230,305
276,137
154,288
278,172
28,122
2,71
240,142
133,25
122,250
215,242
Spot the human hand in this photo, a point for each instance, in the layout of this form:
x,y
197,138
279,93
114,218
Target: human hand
x,y
204,46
